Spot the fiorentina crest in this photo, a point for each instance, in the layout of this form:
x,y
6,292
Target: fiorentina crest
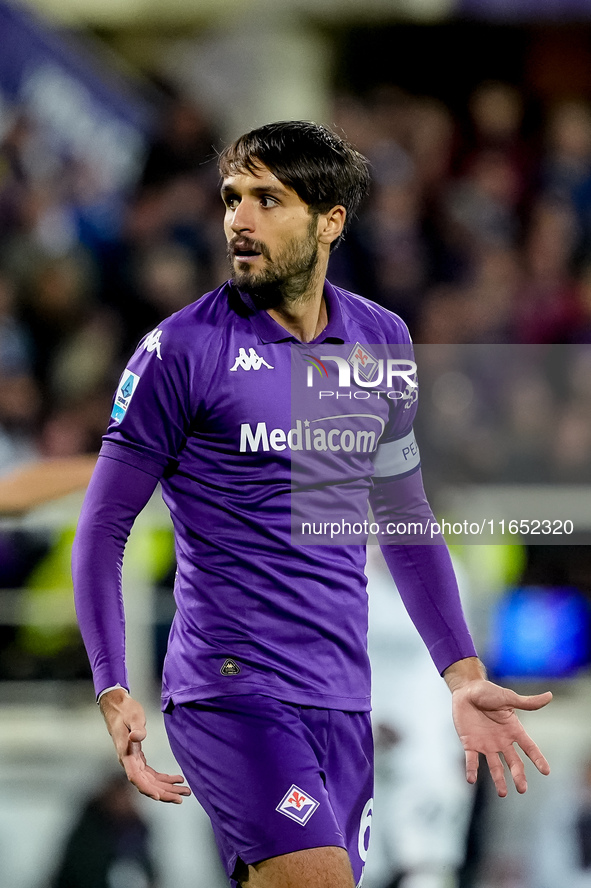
x,y
297,805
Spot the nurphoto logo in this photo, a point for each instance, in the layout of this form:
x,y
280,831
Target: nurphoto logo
x,y
364,376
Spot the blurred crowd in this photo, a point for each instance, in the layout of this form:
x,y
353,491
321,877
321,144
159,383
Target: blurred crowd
x,y
505,413
477,230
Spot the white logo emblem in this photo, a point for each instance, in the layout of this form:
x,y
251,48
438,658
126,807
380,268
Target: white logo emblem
x,y
250,361
124,394
297,804
152,342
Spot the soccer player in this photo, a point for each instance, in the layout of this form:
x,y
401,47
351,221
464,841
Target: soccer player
x,y
266,687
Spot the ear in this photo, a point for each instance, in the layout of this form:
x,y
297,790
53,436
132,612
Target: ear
x,y
331,224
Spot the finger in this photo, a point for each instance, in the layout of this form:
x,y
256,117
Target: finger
x,y
497,772
169,798
157,787
172,778
515,765
531,701
139,774
136,724
142,775
127,748
159,794
534,753
471,766
162,793
137,734
175,782
173,794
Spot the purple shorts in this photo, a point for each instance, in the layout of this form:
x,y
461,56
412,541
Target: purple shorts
x,y
277,777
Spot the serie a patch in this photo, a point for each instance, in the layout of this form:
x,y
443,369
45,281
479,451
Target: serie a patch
x,y
297,804
124,394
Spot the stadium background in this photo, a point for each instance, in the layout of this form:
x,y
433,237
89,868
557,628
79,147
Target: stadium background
x,y
476,116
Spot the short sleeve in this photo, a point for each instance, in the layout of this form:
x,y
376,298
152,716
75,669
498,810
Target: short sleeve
x,y
152,411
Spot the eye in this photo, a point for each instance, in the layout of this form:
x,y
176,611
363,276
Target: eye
x,y
231,201
268,202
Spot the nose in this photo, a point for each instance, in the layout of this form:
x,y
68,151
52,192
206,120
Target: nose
x,y
242,218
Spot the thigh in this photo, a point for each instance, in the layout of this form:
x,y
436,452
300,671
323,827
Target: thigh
x,y
252,763
315,868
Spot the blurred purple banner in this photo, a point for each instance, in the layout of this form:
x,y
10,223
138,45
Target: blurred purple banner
x,y
526,9
91,113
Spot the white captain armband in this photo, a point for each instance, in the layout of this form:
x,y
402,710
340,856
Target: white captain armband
x,y
397,457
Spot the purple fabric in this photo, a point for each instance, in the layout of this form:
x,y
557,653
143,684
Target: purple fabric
x,y
292,617
526,9
244,757
423,574
116,494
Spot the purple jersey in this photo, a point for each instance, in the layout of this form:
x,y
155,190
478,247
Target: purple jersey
x,y
263,445
206,398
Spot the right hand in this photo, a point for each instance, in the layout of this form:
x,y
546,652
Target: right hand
x,y
126,723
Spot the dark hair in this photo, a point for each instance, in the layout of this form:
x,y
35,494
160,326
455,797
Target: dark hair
x,y
321,167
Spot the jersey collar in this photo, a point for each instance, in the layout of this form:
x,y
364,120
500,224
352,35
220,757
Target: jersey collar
x,y
268,330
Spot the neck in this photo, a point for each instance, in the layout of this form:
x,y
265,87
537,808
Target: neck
x,y
302,312
305,325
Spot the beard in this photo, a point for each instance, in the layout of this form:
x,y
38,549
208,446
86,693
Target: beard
x,y
285,279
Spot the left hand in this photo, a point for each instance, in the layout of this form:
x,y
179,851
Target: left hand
x,y
485,719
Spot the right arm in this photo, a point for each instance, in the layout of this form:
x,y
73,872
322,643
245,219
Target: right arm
x,y
117,493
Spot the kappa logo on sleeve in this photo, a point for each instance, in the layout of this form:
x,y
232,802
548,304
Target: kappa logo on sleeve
x,y
152,342
124,394
297,804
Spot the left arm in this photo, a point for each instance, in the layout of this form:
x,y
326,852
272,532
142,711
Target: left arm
x,y
483,713
423,572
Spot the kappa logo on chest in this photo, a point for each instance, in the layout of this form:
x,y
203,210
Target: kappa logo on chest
x,y
250,361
